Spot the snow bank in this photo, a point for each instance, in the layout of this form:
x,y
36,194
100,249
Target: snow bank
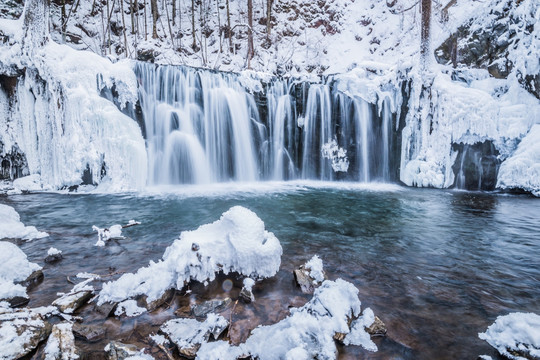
x,y
11,226
513,334
307,333
14,267
522,169
236,242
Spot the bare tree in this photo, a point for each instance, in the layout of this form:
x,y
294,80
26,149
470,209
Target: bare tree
x,y
425,32
124,27
155,17
229,29
194,44
35,25
268,18
251,49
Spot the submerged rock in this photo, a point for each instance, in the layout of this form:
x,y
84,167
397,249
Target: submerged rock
x,y
189,334
119,351
61,343
89,333
201,310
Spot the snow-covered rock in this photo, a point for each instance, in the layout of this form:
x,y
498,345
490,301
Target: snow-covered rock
x,y
189,334
358,335
61,343
310,275
129,308
22,330
14,268
522,169
237,242
104,235
78,296
11,226
306,334
515,336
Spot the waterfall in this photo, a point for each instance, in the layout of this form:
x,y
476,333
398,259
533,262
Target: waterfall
x,y
204,127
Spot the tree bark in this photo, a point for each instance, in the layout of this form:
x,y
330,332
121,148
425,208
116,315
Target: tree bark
x,y
251,49
268,18
425,32
155,17
194,44
174,12
35,25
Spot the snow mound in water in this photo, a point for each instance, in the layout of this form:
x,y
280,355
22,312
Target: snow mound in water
x,y
11,226
236,242
522,169
307,334
513,334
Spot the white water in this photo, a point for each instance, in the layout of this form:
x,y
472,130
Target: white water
x,y
205,127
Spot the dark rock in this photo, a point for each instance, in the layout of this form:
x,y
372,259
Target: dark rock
x,y
378,328
34,279
89,333
166,297
304,280
50,259
201,310
119,351
106,309
246,295
17,301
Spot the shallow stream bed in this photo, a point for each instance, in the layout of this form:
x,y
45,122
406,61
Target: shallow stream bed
x,y
436,266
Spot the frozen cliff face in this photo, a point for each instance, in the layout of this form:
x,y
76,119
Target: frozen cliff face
x,y
452,112
55,116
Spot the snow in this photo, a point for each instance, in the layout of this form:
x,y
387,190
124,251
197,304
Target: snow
x,y
248,284
515,333
307,333
237,242
315,267
188,332
104,235
11,226
68,300
129,308
522,169
14,267
338,156
53,251
159,339
358,335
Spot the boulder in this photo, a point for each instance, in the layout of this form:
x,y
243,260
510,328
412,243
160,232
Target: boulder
x,y
119,351
61,343
378,328
33,279
77,297
166,297
89,333
201,310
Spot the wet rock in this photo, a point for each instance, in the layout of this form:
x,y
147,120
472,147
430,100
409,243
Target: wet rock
x,y
51,259
310,275
378,328
34,279
189,334
246,295
165,298
119,351
303,280
106,309
17,301
201,310
77,297
89,333
22,330
61,343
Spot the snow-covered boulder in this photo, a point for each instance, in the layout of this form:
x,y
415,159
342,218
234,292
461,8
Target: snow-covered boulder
x,y
522,169
237,242
310,275
14,269
61,343
307,333
78,296
11,226
515,336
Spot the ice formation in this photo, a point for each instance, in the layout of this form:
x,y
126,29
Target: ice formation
x,y
307,333
104,235
337,155
515,336
358,335
236,242
14,267
315,267
11,226
53,251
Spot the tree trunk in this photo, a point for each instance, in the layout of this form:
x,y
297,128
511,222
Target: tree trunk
x,y
145,23
194,44
174,12
132,14
64,21
268,18
425,33
229,29
35,25
124,27
251,49
155,17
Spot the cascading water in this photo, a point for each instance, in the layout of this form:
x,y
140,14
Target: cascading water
x,y
205,127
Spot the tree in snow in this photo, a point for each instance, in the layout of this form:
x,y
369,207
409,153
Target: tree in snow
x,y
35,25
